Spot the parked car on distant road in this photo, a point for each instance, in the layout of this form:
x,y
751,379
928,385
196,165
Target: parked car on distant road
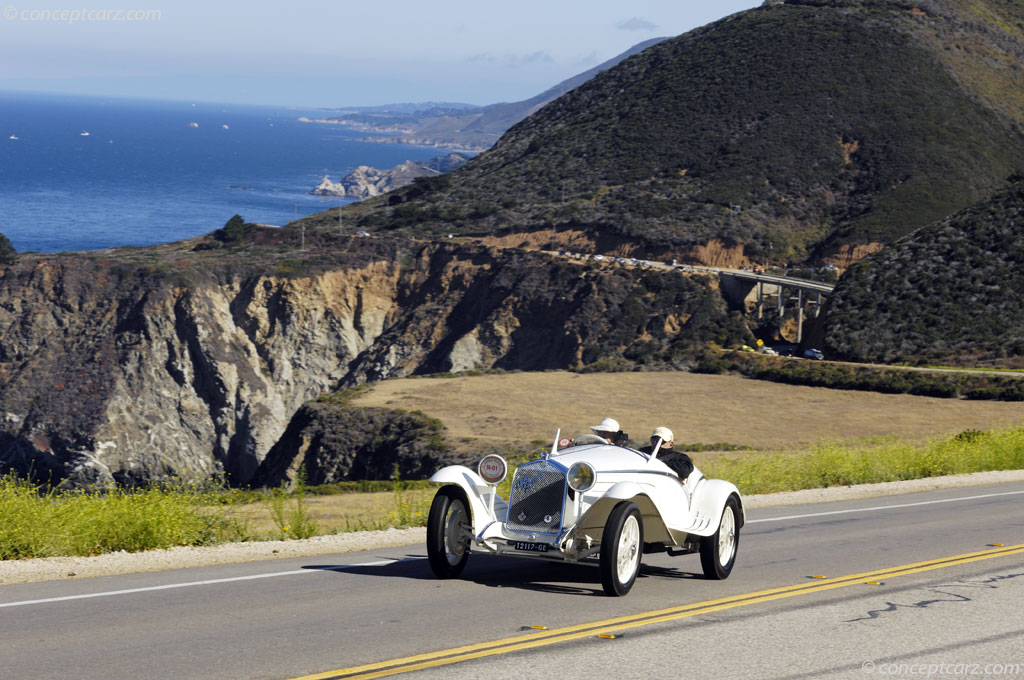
x,y
813,354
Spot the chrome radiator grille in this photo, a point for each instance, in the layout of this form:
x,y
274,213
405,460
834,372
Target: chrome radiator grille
x,y
537,497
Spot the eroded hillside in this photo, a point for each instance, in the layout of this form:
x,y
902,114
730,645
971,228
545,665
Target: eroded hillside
x,y
166,361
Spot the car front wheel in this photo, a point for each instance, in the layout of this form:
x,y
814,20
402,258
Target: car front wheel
x,y
718,551
621,547
449,531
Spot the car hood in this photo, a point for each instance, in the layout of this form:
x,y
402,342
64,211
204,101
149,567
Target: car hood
x,y
606,458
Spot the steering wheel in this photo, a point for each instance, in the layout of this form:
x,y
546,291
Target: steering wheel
x,y
589,439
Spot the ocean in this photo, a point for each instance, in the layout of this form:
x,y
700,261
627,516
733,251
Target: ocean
x,y
157,171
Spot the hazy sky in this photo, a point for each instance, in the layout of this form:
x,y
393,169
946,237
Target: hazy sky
x,y
320,53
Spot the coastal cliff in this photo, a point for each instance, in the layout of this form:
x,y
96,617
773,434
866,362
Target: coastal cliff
x,y
192,363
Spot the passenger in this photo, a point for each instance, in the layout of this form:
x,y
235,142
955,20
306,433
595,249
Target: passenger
x,y
677,461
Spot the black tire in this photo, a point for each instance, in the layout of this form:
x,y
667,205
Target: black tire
x,y
618,577
449,532
712,547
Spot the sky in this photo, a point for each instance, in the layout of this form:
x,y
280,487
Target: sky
x,y
319,53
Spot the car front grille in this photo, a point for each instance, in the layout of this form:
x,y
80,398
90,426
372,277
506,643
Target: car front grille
x,y
537,497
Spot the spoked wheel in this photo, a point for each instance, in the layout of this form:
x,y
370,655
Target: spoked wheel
x,y
718,551
449,531
621,547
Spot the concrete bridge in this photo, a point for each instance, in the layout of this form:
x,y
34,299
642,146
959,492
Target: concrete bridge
x,y
745,288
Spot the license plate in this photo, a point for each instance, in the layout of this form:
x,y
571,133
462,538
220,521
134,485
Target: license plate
x,y
533,547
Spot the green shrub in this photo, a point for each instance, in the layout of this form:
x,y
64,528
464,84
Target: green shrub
x,y
8,255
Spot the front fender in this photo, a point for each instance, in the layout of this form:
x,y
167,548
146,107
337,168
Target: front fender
x,y
477,491
624,490
593,521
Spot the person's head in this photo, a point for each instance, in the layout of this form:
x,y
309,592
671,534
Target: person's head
x,y
665,435
606,428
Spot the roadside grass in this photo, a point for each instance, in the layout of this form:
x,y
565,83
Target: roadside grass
x,y
41,523
843,464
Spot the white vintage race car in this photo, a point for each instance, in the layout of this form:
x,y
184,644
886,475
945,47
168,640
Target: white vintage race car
x,y
585,501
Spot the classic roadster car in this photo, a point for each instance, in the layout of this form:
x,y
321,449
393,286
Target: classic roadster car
x,y
585,501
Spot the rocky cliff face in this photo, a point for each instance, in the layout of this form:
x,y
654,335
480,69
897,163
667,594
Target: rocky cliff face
x,y
129,376
117,371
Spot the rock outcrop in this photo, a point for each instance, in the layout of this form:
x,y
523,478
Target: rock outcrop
x,y
193,363
338,443
364,181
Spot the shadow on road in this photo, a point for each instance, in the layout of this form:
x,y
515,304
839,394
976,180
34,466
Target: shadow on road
x,y
507,572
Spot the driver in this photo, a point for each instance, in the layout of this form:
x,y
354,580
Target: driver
x,y
608,430
677,461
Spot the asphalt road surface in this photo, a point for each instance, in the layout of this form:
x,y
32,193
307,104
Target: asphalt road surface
x,y
910,585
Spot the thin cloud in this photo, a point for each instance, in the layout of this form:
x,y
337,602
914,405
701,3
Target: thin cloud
x,y
636,24
538,57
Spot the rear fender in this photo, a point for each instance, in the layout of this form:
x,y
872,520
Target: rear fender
x,y
709,499
477,491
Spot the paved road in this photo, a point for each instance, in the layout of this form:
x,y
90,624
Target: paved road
x,y
310,615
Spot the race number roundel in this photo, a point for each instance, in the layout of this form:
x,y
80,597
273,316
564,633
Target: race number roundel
x,y
493,469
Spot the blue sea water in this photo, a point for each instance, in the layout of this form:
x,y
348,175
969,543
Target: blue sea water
x,y
142,175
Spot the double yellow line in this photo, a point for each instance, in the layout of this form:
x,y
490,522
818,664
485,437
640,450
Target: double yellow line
x,y
608,626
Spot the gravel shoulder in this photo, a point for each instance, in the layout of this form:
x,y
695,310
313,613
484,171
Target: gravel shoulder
x,y
53,568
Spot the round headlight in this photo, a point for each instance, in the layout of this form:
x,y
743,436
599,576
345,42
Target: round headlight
x,y
581,477
492,469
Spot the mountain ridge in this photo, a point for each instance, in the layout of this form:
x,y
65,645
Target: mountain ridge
x,y
797,130
464,127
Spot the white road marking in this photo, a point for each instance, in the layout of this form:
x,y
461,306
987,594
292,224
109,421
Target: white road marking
x,y
883,507
341,567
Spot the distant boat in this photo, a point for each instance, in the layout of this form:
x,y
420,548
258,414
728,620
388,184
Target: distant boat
x,y
13,137
193,125
84,133
225,127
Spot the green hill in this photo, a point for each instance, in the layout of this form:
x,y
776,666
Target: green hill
x,y
950,292
795,130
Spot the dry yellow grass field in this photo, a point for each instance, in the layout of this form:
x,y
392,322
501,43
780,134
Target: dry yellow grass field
x,y
517,408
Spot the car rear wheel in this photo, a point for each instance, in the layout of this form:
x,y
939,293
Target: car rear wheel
x,y
449,531
621,547
718,551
